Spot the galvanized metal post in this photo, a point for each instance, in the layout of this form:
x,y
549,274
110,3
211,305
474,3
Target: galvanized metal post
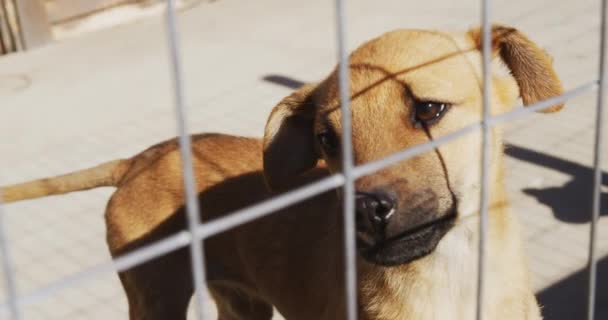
x,y
486,44
347,167
597,168
192,208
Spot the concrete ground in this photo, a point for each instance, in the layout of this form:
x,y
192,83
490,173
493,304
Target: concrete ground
x,y
106,95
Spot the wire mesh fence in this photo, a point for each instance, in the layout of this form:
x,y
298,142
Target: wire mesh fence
x,y
200,231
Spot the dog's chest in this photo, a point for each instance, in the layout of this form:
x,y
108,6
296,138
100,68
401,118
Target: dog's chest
x,y
440,286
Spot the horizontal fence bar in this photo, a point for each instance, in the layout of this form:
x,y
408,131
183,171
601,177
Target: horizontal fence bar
x,y
183,238
254,212
127,261
376,165
371,167
236,218
544,104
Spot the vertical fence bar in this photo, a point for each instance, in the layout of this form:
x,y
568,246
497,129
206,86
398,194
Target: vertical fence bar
x,y
7,267
192,209
597,168
486,43
33,23
347,167
12,42
20,44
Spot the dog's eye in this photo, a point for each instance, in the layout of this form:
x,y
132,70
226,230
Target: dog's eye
x,y
427,112
329,142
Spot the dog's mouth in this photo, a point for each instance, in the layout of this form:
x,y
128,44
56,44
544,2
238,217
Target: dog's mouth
x,y
410,245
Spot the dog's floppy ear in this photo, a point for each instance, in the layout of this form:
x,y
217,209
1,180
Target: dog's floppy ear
x,y
289,146
530,65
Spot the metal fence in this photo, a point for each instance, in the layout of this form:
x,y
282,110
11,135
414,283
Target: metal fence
x,y
198,231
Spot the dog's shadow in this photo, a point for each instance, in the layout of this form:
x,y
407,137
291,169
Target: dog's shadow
x,y
567,298
571,202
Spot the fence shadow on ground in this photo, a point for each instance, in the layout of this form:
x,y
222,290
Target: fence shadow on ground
x,y
567,299
571,202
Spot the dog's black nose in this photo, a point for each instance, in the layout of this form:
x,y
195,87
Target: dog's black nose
x,y
376,208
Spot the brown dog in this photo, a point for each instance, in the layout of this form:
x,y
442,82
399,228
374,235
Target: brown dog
x,y
416,220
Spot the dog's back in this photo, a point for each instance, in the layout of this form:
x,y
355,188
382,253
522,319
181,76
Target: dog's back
x,y
260,264
154,178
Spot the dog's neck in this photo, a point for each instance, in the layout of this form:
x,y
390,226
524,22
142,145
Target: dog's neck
x,y
442,285
430,288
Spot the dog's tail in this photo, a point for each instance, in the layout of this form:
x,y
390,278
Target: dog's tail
x,y
107,174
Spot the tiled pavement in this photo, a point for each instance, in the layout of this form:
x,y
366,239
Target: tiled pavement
x,y
79,102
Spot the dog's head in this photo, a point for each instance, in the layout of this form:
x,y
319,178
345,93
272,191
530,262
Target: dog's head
x,y
408,87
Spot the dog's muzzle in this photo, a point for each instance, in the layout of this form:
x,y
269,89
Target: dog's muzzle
x,y
377,216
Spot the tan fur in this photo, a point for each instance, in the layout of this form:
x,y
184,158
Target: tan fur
x,y
293,259
527,62
104,175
